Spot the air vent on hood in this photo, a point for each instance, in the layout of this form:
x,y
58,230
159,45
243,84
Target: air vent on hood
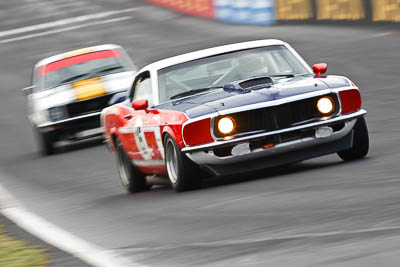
x,y
255,82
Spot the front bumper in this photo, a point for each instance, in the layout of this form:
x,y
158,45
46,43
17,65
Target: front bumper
x,y
241,160
69,128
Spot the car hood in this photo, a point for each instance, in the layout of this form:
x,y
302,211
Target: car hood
x,y
83,90
219,100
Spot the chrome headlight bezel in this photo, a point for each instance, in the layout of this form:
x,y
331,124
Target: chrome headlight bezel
x,y
222,124
57,113
326,105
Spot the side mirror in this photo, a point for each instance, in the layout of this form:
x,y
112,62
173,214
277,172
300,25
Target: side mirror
x,y
28,90
118,98
319,69
140,104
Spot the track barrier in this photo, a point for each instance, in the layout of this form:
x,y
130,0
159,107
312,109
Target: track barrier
x,y
264,12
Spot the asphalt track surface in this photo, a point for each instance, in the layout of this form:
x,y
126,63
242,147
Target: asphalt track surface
x,y
322,212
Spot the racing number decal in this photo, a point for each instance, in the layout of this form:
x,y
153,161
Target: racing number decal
x,y
148,141
154,144
150,150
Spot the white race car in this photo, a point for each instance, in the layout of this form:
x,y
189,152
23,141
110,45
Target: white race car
x,y
69,91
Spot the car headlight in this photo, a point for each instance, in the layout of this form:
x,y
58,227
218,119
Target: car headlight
x,y
57,113
326,105
226,125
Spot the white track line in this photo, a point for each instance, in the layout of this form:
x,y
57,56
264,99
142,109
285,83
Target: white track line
x,y
33,35
351,233
223,243
64,22
50,233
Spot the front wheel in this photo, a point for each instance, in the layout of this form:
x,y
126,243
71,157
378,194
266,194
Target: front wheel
x,y
133,180
360,142
45,142
183,174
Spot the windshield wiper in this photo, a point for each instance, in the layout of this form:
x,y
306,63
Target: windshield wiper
x,y
95,73
73,78
195,91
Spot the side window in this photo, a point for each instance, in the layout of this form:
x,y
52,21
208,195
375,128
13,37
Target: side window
x,y
141,88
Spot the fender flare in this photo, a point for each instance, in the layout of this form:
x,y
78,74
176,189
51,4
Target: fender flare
x,y
113,133
168,130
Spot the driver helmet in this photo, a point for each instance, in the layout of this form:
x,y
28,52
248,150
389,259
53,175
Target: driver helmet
x,y
251,66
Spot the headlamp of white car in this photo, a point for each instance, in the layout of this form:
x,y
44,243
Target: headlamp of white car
x,y
57,113
326,105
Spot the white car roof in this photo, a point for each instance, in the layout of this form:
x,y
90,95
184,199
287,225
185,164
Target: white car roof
x,y
210,52
85,50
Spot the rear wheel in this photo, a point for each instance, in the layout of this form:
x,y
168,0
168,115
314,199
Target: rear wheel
x,y
133,180
360,142
45,142
183,174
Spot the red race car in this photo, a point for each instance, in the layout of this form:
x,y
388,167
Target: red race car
x,y
229,110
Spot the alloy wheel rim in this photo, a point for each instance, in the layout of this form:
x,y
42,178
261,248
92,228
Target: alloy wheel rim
x,y
123,174
172,162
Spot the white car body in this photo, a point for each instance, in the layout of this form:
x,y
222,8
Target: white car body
x,y
80,100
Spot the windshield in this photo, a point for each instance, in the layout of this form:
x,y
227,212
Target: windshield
x,y
222,69
80,67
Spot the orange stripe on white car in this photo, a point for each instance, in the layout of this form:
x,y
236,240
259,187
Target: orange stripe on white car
x,y
89,88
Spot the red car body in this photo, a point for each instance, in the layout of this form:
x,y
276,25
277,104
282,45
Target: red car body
x,y
273,121
145,148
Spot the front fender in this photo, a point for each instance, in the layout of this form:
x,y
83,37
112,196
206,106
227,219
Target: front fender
x,y
112,120
176,135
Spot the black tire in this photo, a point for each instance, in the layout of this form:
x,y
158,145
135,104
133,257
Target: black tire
x,y
133,180
360,142
45,142
183,174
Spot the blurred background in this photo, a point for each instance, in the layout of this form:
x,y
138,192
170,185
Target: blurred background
x,y
276,11
320,212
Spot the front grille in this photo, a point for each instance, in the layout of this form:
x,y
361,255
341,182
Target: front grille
x,y
277,117
88,106
276,139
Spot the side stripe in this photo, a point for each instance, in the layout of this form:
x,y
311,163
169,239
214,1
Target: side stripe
x,y
148,141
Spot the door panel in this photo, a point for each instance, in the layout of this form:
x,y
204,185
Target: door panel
x,y
132,141
153,144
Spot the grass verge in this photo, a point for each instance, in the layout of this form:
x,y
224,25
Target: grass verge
x,y
17,253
